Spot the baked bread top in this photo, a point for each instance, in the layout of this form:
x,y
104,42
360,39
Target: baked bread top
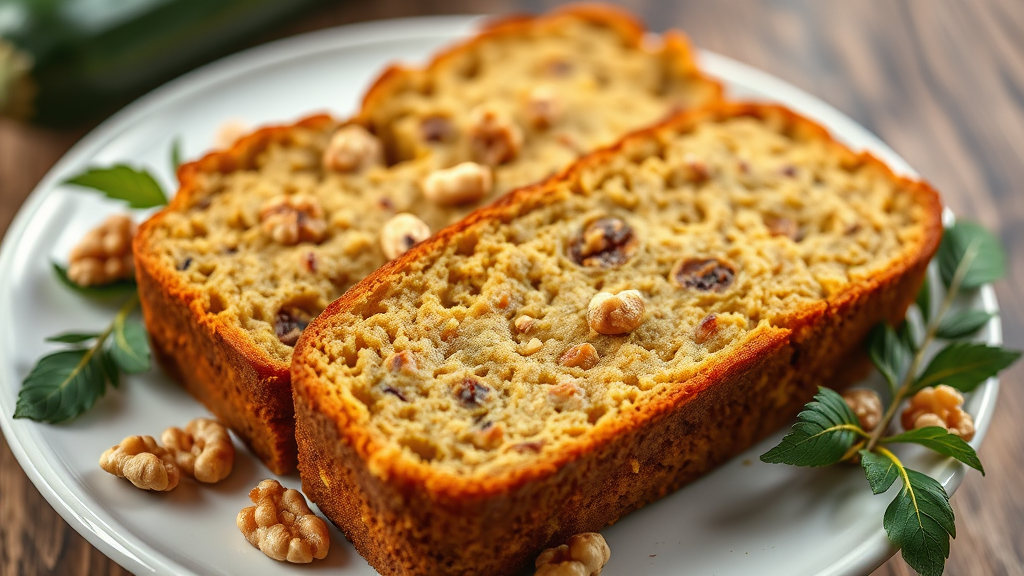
x,y
485,357
216,247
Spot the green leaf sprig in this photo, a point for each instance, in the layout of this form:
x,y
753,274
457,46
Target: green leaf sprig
x,y
66,383
920,519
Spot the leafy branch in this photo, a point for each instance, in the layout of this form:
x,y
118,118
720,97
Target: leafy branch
x,y
919,520
66,383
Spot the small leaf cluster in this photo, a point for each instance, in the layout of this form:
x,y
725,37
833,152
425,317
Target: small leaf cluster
x,y
66,383
919,520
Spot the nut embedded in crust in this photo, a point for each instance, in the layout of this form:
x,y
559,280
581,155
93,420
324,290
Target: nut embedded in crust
x,y
402,232
581,355
493,137
460,184
293,219
616,313
543,107
604,243
352,148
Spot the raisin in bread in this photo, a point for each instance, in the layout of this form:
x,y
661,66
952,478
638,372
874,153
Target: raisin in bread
x,y
261,237
588,345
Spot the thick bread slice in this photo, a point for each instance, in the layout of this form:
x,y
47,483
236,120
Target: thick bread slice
x,y
224,300
450,416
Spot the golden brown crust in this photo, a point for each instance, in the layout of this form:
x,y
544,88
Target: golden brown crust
x,y
393,78
240,383
406,517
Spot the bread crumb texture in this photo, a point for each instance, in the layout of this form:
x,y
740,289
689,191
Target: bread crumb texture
x,y
243,275
722,226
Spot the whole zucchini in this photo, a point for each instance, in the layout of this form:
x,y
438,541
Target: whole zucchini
x,y
66,61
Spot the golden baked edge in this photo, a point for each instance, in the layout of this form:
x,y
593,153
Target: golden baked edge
x,y
215,360
407,519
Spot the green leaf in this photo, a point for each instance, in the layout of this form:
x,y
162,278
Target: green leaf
x,y
823,433
985,263
964,366
129,346
113,372
175,155
119,288
880,471
942,441
962,324
889,353
73,337
924,299
907,336
920,522
61,386
120,182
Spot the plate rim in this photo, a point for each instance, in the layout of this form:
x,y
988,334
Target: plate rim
x,y
139,556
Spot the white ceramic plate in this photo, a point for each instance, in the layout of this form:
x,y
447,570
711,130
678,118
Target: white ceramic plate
x,y
745,518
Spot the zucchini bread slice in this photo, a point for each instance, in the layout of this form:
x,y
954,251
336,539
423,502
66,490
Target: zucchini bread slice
x,y
587,345
261,237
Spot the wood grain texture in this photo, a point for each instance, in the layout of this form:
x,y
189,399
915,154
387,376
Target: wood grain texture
x,y
942,81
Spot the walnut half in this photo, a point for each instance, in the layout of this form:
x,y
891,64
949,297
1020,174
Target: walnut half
x,y
282,525
141,461
202,450
584,555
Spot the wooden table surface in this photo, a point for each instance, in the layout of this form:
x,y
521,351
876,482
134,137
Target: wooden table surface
x,y
942,81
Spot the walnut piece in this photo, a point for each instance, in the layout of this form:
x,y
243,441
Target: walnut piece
x,y
293,219
401,233
531,347
584,555
939,406
604,243
581,355
543,106
489,436
566,395
616,313
462,183
493,137
282,525
142,462
104,254
203,450
524,323
866,405
352,148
